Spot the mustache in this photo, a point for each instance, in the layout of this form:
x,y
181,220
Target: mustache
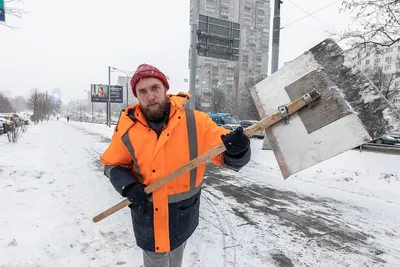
x,y
155,103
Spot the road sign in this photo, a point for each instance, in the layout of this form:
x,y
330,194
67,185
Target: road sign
x,y
100,93
2,11
218,38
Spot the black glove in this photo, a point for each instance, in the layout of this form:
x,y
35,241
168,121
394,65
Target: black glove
x,y
236,142
135,193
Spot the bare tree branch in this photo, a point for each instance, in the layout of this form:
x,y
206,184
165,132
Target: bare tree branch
x,y
5,104
13,11
375,24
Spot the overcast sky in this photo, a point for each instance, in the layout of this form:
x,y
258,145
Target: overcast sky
x,y
70,44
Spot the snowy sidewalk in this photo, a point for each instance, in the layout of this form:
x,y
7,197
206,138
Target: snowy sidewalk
x,y
51,187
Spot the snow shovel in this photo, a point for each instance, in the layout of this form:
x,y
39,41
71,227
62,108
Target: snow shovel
x,y
352,111
308,99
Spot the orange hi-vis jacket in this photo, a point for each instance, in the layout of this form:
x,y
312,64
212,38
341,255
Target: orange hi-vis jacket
x,y
136,146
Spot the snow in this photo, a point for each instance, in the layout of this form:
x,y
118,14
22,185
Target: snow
x,y
340,91
341,212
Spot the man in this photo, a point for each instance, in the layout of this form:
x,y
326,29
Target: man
x,y
152,139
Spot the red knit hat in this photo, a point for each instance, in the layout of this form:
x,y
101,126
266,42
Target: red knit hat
x,y
147,71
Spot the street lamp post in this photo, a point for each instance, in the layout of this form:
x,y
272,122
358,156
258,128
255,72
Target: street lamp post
x,y
127,88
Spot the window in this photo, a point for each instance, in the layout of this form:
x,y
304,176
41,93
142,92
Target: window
x,y
359,62
388,67
388,59
367,62
390,49
377,61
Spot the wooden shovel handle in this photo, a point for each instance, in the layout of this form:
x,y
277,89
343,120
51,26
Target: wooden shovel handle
x,y
257,127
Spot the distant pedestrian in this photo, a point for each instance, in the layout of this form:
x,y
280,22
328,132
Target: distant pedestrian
x,y
67,118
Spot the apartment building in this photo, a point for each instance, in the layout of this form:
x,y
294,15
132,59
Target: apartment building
x,y
222,85
386,60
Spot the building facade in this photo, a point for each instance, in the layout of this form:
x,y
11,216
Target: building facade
x,y
221,85
383,68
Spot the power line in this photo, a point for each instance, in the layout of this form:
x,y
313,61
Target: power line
x,y
309,14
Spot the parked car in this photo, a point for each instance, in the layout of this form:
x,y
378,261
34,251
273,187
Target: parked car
x,y
231,126
389,139
247,123
17,120
222,118
6,123
1,128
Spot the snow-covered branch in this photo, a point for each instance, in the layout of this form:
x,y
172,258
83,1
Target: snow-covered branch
x,y
376,24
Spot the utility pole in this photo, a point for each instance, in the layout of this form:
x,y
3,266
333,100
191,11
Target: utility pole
x,y
46,108
275,52
109,98
193,62
127,89
276,35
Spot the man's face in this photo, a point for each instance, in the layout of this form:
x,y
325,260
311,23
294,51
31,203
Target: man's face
x,y
151,94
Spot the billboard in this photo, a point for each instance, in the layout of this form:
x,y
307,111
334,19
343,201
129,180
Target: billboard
x,y
99,93
2,11
218,38
116,94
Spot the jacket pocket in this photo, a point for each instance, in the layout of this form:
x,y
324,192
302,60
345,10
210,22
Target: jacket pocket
x,y
188,216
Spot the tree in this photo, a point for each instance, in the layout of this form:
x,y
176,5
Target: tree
x,y
34,103
387,83
218,100
18,103
5,104
377,24
11,9
42,106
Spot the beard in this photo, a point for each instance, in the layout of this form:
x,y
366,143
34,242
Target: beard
x,y
156,112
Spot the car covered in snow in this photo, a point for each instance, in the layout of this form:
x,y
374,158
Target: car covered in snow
x,y
1,127
6,123
389,139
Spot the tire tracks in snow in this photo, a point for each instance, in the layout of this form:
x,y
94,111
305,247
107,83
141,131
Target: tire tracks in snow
x,y
315,219
225,228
